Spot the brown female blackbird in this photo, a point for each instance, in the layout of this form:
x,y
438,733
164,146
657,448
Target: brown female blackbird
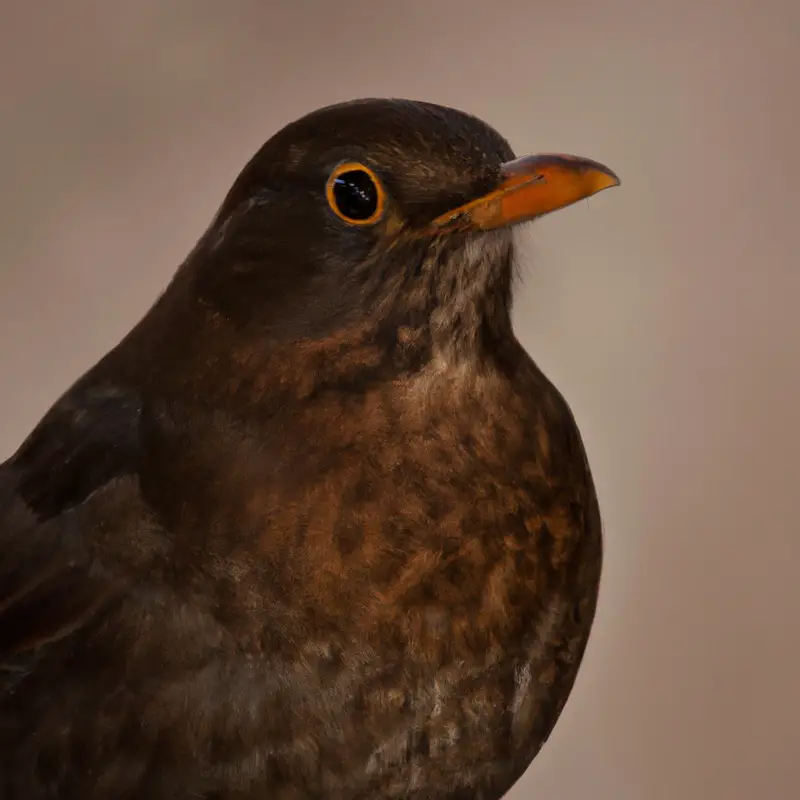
x,y
317,527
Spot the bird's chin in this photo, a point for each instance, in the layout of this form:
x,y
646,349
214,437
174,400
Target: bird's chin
x,y
476,258
490,247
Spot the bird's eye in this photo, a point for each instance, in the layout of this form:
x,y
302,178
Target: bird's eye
x,y
355,194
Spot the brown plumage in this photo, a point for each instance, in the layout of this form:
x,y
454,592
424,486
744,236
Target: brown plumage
x,y
318,527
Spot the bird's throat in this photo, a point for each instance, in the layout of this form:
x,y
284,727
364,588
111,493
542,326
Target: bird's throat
x,y
470,289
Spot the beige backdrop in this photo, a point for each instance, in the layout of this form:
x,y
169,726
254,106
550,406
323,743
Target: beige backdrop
x,y
665,310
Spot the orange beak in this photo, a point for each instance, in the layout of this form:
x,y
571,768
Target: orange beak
x,y
530,187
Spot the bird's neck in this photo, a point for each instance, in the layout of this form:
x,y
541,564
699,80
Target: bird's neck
x,y
452,315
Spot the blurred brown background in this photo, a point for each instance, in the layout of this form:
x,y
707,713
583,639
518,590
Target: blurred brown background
x,y
665,310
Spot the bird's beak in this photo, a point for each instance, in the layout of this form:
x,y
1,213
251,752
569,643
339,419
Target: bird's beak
x,y
530,187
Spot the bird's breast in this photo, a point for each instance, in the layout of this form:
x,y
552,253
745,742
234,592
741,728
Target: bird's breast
x,y
436,513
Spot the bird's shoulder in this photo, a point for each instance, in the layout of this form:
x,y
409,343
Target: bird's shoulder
x,y
89,437
75,529
96,596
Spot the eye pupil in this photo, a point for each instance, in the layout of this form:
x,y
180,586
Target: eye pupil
x,y
355,194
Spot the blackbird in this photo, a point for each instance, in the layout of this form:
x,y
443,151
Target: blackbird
x,y
318,526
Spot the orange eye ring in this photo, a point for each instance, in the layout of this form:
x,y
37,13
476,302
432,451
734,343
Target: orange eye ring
x,y
355,194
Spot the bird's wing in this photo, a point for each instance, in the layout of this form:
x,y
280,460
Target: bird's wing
x,y
53,576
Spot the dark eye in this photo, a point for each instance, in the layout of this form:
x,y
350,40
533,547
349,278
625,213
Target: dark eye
x,y
355,194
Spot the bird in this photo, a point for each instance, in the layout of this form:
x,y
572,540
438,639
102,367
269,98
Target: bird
x,y
317,526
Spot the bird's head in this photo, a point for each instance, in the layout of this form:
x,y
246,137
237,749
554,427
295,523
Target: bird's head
x,y
385,213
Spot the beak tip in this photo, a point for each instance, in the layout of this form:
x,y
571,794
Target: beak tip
x,y
611,181
597,178
604,177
